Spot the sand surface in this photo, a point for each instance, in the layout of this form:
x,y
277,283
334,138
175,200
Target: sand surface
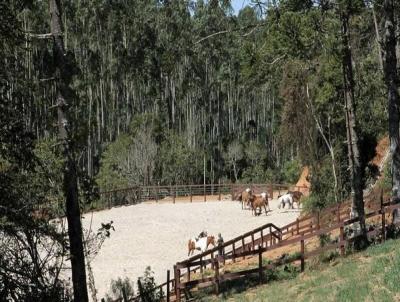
x,y
156,235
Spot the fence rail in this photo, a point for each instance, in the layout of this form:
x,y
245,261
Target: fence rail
x,y
137,194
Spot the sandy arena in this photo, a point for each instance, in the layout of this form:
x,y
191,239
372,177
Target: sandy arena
x,y
157,234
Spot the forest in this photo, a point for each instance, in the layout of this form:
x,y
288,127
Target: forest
x,y
100,95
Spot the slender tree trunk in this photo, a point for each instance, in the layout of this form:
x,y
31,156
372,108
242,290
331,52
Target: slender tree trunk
x,y
392,80
351,128
378,38
70,174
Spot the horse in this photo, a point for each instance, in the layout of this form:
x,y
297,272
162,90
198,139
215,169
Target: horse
x,y
296,196
246,197
285,199
200,244
259,202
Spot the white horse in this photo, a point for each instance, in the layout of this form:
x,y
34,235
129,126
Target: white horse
x,y
286,199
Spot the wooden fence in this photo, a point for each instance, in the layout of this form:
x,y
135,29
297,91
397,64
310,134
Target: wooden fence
x,y
138,194
190,273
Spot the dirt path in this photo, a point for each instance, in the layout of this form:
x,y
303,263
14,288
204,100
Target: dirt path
x,y
157,234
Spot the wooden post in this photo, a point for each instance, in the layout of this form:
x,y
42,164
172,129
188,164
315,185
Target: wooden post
x,y
243,247
383,219
302,255
172,193
124,296
262,237
260,267
297,225
177,284
216,267
205,196
141,292
201,267
341,239
188,272
219,190
233,252
157,193
168,290
270,236
191,196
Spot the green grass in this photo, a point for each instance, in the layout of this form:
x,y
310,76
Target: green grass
x,y
371,275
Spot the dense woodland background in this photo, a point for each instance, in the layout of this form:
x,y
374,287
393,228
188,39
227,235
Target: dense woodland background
x,y
184,92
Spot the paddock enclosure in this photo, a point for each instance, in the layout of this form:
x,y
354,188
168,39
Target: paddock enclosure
x,y
156,233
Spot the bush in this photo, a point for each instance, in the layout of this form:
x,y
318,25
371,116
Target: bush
x,y
147,285
119,287
291,171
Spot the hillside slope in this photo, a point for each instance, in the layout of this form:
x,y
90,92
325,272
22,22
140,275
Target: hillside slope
x,y
373,275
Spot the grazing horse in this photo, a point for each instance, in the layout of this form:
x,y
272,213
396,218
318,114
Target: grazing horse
x,y
285,199
246,198
296,196
259,202
200,244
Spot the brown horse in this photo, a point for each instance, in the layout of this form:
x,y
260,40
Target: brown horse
x,y
247,195
200,244
259,202
296,195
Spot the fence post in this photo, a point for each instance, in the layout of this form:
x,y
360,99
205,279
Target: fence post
x,y
124,296
157,193
219,189
171,192
260,267
216,277
168,290
262,237
177,284
252,242
243,250
191,196
302,254
383,219
341,239
141,292
204,192
297,225
233,252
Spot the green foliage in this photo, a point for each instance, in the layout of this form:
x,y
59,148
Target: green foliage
x,y
120,287
291,171
179,162
147,285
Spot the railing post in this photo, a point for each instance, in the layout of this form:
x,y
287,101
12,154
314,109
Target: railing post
x,y
191,196
262,237
302,255
172,193
341,241
219,190
204,192
216,277
260,267
168,290
297,225
243,247
233,252
177,284
383,219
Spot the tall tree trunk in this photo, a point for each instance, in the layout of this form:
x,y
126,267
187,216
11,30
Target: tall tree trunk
x,y
392,80
63,76
352,135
